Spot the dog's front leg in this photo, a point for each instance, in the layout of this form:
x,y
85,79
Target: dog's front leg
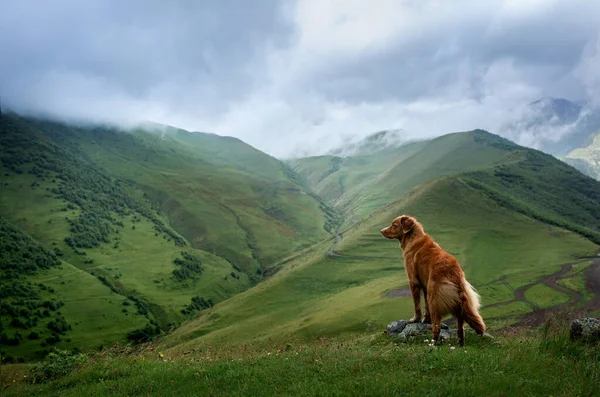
x,y
415,289
427,319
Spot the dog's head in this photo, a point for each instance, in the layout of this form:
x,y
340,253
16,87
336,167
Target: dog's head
x,y
400,227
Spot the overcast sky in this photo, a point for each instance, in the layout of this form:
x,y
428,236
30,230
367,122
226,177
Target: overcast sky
x,y
298,76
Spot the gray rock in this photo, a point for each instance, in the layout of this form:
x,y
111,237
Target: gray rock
x,y
408,331
396,327
414,330
586,329
446,334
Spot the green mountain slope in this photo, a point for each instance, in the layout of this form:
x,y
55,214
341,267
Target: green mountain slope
x,y
325,293
340,179
521,178
511,216
146,220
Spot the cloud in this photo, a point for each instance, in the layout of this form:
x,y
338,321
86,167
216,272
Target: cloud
x,y
302,76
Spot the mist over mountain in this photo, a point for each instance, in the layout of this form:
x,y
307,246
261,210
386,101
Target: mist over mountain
x,y
554,125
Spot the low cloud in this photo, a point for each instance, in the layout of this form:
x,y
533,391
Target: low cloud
x,y
298,77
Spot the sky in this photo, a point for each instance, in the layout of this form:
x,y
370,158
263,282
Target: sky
x,y
298,77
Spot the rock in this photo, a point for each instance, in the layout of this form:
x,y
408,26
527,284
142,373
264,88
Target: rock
x,y
586,329
396,327
414,330
404,330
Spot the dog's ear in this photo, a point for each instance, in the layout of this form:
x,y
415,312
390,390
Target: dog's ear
x,y
407,224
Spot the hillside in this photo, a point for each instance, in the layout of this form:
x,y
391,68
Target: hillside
x,y
158,229
511,215
153,226
519,177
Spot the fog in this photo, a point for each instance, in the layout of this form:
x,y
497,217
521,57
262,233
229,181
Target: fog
x,y
301,77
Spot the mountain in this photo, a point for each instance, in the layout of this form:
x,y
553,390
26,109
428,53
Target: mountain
x,y
140,228
111,234
554,125
513,216
587,159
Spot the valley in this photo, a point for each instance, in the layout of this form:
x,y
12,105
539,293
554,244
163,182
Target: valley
x,y
202,240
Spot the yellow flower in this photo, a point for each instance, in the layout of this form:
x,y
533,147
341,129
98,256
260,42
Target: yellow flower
x,y
161,355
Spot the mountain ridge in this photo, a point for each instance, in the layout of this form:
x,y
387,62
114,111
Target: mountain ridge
x,y
198,235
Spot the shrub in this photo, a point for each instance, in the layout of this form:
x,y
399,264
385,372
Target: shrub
x,y
144,334
57,364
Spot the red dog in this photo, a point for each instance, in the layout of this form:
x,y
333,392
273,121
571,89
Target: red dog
x,y
439,275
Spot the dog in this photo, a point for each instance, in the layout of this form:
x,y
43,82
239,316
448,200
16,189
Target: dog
x,y
439,275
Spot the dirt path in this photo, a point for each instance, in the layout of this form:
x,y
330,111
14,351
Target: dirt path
x,y
538,315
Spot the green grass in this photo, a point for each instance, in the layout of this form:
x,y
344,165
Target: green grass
x,y
316,295
370,365
95,313
544,296
141,266
243,215
246,209
575,279
238,209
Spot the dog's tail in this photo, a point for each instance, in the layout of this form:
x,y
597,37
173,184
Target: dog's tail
x,y
470,307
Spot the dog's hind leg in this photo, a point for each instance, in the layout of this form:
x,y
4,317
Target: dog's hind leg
x,y
436,321
460,330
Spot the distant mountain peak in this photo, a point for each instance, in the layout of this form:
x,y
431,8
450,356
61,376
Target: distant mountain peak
x,y
554,125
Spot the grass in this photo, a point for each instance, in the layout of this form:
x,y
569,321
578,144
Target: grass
x,y
249,202
239,209
575,280
246,215
140,266
367,365
316,294
95,313
544,296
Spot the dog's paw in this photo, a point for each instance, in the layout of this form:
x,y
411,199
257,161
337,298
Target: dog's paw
x,y
415,320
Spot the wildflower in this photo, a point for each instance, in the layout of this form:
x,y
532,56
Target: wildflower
x,y
452,347
161,355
